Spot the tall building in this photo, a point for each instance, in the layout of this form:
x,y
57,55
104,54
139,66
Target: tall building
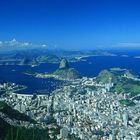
x,y
125,119
111,137
64,133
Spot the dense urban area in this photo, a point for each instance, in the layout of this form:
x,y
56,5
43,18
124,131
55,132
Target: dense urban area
x,y
98,108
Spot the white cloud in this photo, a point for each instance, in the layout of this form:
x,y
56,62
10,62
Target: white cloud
x,y
1,43
44,45
125,45
25,44
129,44
20,44
14,43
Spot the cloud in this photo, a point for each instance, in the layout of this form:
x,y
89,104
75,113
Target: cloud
x,y
14,43
26,44
19,44
126,44
44,45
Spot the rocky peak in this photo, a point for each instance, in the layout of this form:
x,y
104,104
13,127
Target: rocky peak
x,y
63,64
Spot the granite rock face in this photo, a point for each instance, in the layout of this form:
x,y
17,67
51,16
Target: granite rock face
x,y
65,72
63,64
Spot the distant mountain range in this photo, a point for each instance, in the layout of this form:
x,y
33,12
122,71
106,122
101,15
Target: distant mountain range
x,y
38,56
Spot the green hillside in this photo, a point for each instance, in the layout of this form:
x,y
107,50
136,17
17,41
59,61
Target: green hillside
x,y
8,132
124,81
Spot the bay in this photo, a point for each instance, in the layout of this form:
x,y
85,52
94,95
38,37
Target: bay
x,y
90,67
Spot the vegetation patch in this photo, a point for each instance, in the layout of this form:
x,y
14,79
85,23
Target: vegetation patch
x,y
127,102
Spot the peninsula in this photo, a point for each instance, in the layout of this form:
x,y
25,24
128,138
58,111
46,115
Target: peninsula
x,y
64,72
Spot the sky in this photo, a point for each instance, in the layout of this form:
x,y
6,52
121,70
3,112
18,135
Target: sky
x,y
70,24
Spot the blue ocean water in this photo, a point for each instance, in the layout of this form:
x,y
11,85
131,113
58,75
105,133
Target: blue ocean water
x,y
90,68
16,75
93,65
